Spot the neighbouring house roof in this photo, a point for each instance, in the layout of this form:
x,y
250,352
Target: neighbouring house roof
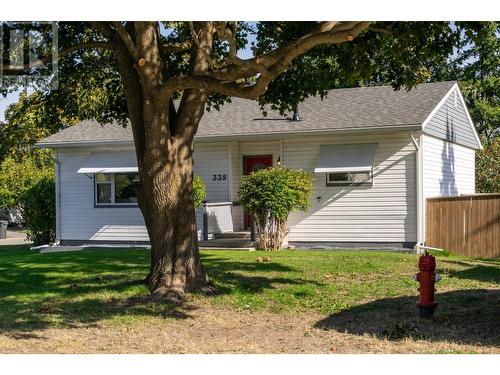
x,y
342,109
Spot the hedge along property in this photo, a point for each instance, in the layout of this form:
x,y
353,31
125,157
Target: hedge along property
x,y
375,154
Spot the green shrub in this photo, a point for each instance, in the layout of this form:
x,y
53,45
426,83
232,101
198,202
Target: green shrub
x,y
270,195
199,192
38,210
16,176
28,184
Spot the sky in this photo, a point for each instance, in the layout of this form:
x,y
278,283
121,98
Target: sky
x,y
13,97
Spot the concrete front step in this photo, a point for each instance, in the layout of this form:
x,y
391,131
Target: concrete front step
x,y
232,235
227,243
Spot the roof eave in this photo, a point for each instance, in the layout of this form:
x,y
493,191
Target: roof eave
x,y
113,142
310,131
232,136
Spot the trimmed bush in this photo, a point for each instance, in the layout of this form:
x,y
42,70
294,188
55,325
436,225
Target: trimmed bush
x,y
270,195
38,209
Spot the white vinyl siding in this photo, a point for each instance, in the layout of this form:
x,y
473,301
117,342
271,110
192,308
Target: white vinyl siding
x,y
81,220
236,167
381,212
448,168
212,159
451,123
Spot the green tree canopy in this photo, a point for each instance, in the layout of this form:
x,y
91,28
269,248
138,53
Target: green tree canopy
x,y
488,167
475,63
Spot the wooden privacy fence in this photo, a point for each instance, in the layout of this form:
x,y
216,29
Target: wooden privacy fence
x,y
467,225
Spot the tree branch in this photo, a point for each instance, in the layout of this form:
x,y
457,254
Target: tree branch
x,y
334,33
126,39
203,82
63,53
230,37
337,32
267,66
193,99
183,46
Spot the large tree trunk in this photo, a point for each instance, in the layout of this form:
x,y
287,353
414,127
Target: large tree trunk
x,y
163,140
166,201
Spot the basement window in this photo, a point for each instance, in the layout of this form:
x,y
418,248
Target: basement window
x,y
116,189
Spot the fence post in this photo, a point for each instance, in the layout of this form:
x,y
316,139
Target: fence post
x,y
205,221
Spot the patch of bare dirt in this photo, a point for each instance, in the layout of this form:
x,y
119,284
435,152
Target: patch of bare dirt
x,y
210,329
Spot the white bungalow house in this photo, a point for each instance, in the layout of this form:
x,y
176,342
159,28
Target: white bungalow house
x,y
375,154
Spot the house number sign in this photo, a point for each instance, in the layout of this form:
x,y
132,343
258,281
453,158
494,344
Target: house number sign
x,y
219,177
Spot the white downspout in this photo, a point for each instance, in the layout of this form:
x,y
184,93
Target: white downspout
x,y
419,183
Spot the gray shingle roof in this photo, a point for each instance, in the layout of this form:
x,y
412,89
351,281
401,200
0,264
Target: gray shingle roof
x,y
353,108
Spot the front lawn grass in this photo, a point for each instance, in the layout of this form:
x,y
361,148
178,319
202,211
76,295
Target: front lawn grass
x,y
102,286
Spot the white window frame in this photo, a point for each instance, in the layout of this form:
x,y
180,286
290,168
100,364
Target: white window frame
x,y
112,203
349,180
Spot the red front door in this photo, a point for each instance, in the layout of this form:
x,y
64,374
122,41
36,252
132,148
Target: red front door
x,y
252,164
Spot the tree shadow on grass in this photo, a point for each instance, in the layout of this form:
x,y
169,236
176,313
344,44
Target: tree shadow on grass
x,y
478,273
463,317
41,291
250,277
479,270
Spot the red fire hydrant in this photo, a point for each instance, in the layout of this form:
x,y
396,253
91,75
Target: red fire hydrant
x,y
427,278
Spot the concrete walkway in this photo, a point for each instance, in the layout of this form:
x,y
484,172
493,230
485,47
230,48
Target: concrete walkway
x,y
15,237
